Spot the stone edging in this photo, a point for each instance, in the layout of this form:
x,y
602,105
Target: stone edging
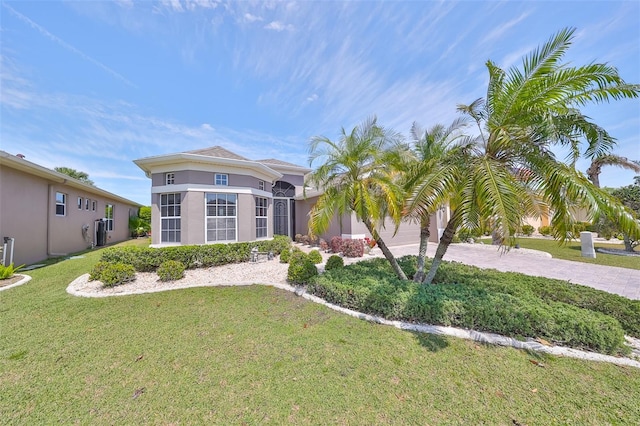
x,y
25,279
491,338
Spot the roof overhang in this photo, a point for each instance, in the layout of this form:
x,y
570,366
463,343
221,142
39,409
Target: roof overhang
x,y
15,162
159,163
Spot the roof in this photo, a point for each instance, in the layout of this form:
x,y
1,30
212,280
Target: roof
x,y
18,163
218,152
277,162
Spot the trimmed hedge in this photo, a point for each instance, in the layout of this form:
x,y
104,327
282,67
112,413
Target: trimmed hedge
x,y
301,268
171,270
315,256
352,248
147,259
334,262
113,274
371,287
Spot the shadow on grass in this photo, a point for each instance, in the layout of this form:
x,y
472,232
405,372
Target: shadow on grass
x,y
431,342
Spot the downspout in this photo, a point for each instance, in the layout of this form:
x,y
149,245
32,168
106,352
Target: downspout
x,y
49,222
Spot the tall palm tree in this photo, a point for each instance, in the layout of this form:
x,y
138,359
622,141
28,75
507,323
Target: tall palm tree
x,y
354,177
593,172
428,176
511,172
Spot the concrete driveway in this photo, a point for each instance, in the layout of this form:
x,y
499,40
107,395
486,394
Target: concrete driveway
x,y
622,281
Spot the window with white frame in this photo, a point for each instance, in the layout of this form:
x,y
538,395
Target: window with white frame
x,y
79,203
93,205
108,215
170,178
221,210
87,203
170,211
222,179
61,204
261,217
261,185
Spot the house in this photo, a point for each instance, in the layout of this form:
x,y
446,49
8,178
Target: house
x,y
213,195
45,214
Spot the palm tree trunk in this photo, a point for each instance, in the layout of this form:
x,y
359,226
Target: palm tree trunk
x,y
385,250
422,251
443,245
627,243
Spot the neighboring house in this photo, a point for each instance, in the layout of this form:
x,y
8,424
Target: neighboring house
x,y
213,195
51,214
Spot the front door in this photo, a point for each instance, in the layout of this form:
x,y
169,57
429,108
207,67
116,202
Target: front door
x,y
281,216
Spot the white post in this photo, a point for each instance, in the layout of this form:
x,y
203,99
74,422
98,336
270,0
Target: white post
x,y
586,242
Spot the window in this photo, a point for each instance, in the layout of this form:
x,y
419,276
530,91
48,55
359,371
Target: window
x,y
61,204
87,202
261,217
93,205
79,203
170,218
261,185
108,215
221,217
170,178
222,179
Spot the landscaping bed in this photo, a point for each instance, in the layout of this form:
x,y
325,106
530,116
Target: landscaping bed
x,y
510,304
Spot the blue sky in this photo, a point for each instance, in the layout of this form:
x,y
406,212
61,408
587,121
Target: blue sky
x,y
95,85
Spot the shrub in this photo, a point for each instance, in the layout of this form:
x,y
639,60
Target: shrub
x,y
275,245
315,256
324,246
545,230
114,274
298,238
334,262
336,244
313,240
301,268
8,271
171,270
285,256
305,240
353,248
96,271
527,229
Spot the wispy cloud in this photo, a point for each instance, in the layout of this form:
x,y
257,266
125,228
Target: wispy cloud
x,y
248,17
278,26
503,28
66,45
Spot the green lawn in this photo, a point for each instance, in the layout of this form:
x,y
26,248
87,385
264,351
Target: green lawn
x,y
571,251
257,355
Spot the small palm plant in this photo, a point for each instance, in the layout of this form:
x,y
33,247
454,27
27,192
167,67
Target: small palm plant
x,y
7,272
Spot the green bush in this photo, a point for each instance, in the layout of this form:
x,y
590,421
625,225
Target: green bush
x,y
334,262
470,298
284,256
171,270
315,256
8,271
301,268
114,274
545,230
96,271
527,230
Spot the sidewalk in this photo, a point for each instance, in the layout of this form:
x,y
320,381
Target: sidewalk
x,y
622,281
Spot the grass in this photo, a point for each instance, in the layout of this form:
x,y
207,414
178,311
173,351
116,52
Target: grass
x,y
572,251
257,355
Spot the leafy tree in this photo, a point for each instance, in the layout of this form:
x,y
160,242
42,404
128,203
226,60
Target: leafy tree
x,y
629,196
145,215
81,176
354,177
509,171
428,175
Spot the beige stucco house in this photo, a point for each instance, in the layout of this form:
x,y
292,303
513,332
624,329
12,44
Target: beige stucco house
x,y
50,214
213,195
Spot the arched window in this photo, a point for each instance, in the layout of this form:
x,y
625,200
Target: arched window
x,y
283,189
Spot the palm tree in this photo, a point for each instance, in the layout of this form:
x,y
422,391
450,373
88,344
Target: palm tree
x,y
593,172
511,172
354,177
428,176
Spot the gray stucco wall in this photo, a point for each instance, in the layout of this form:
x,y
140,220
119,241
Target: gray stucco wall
x,y
198,177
